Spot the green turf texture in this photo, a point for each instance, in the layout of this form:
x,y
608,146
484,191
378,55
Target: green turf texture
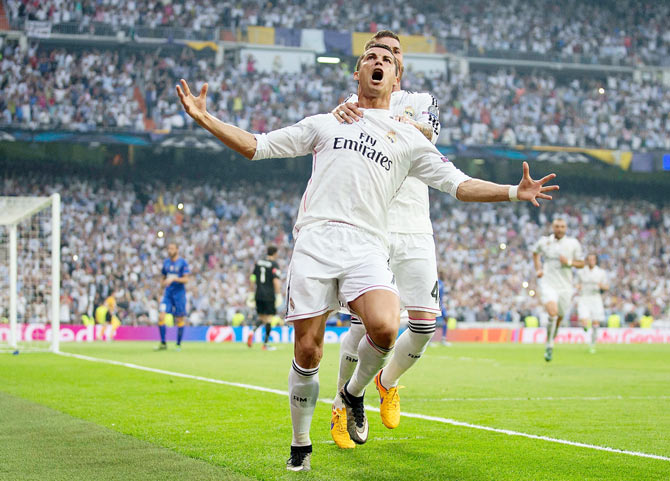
x,y
38,443
246,433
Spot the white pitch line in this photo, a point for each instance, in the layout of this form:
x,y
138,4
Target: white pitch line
x,y
554,398
452,422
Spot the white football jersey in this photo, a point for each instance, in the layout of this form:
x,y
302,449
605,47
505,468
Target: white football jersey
x,y
358,168
590,279
410,210
551,249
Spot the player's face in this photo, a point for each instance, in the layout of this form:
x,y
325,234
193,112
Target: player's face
x,y
591,260
559,228
377,73
172,251
394,45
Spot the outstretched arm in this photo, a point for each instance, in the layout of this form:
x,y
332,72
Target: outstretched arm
x,y
235,138
476,190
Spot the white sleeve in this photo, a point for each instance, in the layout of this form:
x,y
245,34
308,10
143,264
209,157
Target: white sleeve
x,y
433,169
428,113
577,254
537,248
293,141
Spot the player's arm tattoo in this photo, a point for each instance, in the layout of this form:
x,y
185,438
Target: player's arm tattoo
x,y
426,130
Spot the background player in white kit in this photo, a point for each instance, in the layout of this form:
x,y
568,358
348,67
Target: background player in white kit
x,y
591,283
554,257
412,259
341,248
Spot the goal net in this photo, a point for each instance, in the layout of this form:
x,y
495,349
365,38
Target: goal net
x,y
29,273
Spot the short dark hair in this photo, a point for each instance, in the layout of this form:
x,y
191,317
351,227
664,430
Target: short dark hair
x,y
272,250
378,45
379,35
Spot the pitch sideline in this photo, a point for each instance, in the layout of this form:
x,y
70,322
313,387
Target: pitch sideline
x,y
452,422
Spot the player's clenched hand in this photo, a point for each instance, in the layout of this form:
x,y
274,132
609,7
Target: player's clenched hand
x,y
531,190
539,273
196,107
347,112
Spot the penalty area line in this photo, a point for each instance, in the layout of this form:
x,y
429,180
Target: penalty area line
x,y
424,417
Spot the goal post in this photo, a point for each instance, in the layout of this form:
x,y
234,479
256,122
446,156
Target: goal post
x,y
30,266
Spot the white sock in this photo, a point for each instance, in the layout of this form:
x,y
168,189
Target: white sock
x,y
551,330
303,389
408,349
371,358
594,334
349,352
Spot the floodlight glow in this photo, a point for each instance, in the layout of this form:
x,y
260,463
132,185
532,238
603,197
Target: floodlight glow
x,y
327,59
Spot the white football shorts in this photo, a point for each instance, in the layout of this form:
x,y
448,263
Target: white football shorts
x,y
414,265
591,308
562,297
334,263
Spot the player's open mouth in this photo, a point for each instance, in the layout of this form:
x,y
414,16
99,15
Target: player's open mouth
x,y
377,75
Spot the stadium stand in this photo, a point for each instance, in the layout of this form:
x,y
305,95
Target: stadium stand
x,y
112,227
615,31
134,91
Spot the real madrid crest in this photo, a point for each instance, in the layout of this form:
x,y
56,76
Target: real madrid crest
x,y
391,136
409,111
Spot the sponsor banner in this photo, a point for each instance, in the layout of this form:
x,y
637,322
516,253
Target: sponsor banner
x,y
78,333
576,335
285,334
482,335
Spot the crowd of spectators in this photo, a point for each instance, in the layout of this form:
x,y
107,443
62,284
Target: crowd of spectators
x,y
115,235
134,91
627,31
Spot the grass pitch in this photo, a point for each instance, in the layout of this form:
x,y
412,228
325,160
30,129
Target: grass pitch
x,y
67,418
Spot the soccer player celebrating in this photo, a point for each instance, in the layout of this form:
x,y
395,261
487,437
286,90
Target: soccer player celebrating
x,y
412,259
560,254
592,282
341,247
175,273
265,279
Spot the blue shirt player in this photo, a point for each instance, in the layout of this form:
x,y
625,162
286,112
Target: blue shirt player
x,y
175,273
442,319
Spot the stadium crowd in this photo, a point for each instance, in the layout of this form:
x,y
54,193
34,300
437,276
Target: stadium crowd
x,y
61,89
115,235
627,31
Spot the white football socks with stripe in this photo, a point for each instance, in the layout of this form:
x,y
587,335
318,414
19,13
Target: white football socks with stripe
x,y
303,390
409,348
349,353
371,358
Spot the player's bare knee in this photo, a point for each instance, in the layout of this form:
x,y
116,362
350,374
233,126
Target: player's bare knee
x,y
384,335
308,354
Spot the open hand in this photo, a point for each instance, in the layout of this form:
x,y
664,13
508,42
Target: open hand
x,y
531,190
196,107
